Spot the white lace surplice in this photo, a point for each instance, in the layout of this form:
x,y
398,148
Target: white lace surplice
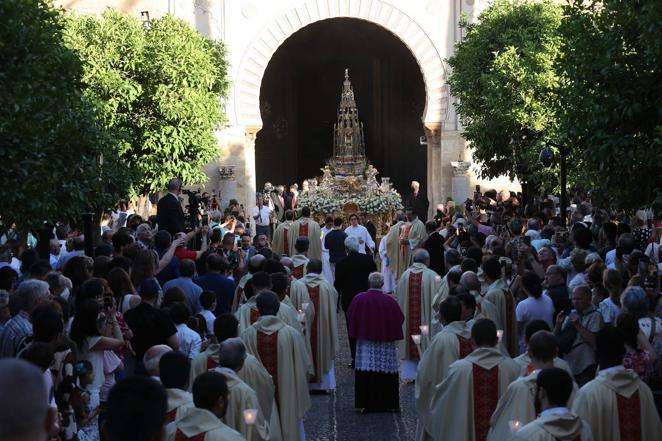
x,y
376,356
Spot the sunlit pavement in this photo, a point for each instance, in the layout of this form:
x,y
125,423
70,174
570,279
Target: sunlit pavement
x,y
333,417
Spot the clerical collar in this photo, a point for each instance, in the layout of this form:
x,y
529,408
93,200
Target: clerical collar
x,y
620,367
554,411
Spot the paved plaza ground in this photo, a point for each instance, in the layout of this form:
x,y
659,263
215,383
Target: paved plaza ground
x,y
333,417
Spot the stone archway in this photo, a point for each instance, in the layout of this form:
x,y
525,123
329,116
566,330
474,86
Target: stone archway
x,y
256,57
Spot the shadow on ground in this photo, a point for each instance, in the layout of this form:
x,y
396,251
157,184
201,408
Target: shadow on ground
x,y
333,417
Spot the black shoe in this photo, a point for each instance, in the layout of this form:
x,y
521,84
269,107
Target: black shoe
x,y
351,365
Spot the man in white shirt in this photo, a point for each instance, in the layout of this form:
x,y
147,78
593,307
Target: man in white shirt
x,y
189,340
361,233
262,216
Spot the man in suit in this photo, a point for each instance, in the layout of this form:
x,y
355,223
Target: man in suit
x,y
418,200
169,212
367,223
435,246
352,278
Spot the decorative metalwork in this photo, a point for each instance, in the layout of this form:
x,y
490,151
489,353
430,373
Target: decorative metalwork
x,y
348,140
226,172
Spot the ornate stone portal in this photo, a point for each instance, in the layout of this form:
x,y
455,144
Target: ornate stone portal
x,y
349,182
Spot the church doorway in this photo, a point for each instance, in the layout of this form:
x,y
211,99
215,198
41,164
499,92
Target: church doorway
x,y
300,93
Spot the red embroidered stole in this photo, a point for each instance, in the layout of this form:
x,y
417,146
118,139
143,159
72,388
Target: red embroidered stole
x,y
404,236
414,311
267,350
179,436
171,416
286,242
297,272
314,293
629,417
466,346
511,334
303,229
237,301
486,396
254,316
211,364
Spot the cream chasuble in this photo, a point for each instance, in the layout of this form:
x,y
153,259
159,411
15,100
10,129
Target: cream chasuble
x,y
321,319
554,427
396,265
280,243
486,309
239,293
414,294
619,407
452,343
299,264
201,425
282,351
464,402
526,368
240,397
179,403
499,295
252,373
247,314
517,404
311,229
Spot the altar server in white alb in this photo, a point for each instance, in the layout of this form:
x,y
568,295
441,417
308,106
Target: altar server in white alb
x,y
361,233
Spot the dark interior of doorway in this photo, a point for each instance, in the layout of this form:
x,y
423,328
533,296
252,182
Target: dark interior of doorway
x,y
300,93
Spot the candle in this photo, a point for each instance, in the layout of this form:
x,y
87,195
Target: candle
x,y
301,316
416,338
425,329
499,334
249,416
514,425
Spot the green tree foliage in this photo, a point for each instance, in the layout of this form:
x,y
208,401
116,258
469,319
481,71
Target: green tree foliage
x,y
612,102
57,161
159,88
503,73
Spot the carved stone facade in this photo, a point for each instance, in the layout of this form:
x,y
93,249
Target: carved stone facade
x,y
254,29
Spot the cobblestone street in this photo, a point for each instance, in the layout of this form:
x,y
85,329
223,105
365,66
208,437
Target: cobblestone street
x,y
333,417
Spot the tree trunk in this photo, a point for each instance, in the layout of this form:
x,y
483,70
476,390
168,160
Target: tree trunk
x,y
141,206
43,244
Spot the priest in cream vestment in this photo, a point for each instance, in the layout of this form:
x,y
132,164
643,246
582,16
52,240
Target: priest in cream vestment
x,y
410,235
500,296
464,402
389,247
247,314
553,388
240,395
322,297
617,404
252,371
524,360
255,264
452,343
517,404
282,351
203,422
414,294
304,226
280,243
174,369
300,258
